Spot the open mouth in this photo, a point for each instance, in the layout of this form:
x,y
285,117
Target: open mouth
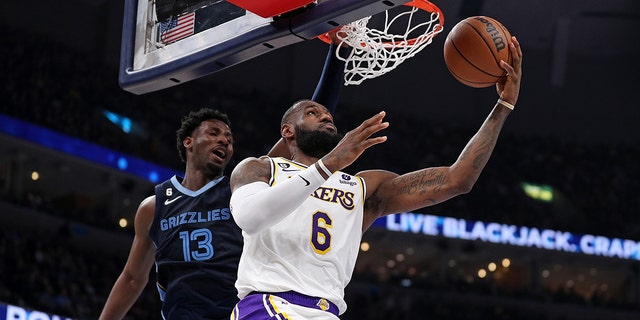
x,y
220,152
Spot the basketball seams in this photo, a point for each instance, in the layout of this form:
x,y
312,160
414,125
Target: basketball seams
x,y
466,56
470,63
469,82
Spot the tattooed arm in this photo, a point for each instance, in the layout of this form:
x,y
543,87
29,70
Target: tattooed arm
x,y
389,193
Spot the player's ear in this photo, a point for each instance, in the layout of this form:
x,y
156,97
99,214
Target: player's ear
x,y
286,131
187,142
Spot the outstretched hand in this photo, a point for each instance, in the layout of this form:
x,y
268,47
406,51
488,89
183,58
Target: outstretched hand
x,y
355,142
508,87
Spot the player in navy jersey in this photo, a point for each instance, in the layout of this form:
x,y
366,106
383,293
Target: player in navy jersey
x,y
186,227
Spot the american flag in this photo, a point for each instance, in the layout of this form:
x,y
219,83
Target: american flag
x,y
177,28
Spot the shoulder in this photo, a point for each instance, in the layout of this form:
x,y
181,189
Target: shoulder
x,y
146,212
253,161
251,170
149,203
251,164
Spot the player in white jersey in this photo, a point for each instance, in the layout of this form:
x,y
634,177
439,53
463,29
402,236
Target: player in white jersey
x,y
333,208
300,222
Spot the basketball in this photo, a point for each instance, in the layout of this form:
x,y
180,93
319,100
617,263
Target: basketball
x,y
473,50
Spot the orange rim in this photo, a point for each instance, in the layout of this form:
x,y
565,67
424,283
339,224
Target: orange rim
x,y
420,4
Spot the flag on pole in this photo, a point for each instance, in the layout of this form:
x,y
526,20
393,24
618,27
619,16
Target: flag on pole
x,y
177,28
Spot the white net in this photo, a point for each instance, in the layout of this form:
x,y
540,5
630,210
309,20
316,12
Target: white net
x,y
377,51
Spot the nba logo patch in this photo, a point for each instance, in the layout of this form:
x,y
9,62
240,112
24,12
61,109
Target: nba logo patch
x,y
323,304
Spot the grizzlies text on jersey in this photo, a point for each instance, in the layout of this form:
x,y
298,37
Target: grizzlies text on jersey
x,y
198,246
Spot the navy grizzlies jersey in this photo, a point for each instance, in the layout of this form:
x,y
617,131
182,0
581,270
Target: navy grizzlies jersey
x,y
198,246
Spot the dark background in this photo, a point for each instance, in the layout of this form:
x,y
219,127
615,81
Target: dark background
x,y
574,128
580,63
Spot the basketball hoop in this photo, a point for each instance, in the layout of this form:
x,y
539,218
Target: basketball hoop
x,y
376,51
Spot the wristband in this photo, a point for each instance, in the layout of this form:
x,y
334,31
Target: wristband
x,y
506,104
324,168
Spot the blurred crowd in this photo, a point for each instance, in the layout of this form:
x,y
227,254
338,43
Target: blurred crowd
x,y
47,271
595,185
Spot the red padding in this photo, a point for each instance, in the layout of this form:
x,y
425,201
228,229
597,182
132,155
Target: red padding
x,y
270,8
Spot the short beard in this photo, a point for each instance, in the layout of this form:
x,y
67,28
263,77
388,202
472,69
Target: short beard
x,y
316,143
213,171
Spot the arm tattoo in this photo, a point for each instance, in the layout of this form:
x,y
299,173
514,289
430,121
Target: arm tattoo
x,y
486,141
254,172
420,182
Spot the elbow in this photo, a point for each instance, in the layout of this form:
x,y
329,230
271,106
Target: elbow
x,y
250,223
461,181
467,186
463,186
244,222
244,205
134,280
250,231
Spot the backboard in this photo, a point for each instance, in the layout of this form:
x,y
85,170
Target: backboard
x,y
200,37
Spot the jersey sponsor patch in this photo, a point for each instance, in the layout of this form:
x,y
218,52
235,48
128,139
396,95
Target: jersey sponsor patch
x,y
345,179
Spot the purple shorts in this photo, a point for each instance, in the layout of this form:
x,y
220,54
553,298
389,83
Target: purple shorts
x,y
263,306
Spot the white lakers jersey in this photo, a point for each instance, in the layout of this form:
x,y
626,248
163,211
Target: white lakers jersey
x,y
314,249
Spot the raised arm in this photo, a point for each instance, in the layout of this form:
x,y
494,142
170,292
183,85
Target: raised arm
x,y
389,193
255,205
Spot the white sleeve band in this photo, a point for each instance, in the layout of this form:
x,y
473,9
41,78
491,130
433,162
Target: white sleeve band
x,y
324,168
256,206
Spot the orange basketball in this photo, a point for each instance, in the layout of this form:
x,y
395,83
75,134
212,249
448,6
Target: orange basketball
x,y
473,50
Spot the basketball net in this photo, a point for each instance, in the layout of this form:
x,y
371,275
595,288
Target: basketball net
x,y
376,51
